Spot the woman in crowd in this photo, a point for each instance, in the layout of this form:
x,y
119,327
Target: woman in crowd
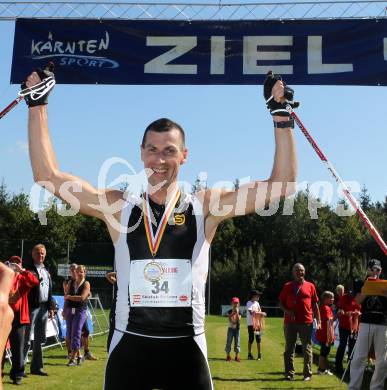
x,y
76,302
23,281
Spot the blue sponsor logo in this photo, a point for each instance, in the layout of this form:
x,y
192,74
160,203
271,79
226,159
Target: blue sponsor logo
x,y
80,53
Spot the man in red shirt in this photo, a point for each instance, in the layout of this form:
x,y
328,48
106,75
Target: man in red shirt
x,y
298,299
18,300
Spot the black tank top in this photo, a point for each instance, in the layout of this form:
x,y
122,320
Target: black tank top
x,y
183,240
78,291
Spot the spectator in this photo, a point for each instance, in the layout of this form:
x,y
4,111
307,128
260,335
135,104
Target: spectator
x,y
66,286
254,313
339,290
233,331
348,313
77,296
6,313
41,305
325,335
85,329
23,281
298,299
373,329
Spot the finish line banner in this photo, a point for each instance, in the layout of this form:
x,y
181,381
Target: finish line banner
x,y
315,52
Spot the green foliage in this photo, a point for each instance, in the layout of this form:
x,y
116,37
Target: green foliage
x,y
259,251
248,252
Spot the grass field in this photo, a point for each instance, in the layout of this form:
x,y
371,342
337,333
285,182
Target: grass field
x,y
247,375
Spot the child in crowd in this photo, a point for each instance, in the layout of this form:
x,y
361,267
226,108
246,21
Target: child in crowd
x,y
233,331
255,323
325,335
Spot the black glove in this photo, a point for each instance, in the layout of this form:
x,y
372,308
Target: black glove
x,y
274,107
45,75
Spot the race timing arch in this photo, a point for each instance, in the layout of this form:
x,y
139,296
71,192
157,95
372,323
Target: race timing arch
x,y
312,43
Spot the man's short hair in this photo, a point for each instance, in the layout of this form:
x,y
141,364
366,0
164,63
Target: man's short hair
x,y
73,266
39,246
298,265
339,287
163,125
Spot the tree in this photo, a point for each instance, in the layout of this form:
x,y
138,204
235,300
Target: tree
x,y
365,199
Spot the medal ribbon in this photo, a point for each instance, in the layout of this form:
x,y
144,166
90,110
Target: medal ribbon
x,y
154,240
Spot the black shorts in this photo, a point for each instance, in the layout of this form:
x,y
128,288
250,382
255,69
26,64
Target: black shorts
x,y
324,350
145,363
250,329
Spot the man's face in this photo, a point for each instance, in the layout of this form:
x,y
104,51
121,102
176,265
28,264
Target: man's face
x,y
340,292
38,255
299,273
163,154
374,272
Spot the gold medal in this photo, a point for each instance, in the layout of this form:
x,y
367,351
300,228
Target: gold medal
x,y
153,271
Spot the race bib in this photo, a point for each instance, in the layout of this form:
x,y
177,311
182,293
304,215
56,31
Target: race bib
x,y
160,283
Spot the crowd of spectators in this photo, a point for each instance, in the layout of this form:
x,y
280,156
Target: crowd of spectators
x,y
26,304
30,304
359,320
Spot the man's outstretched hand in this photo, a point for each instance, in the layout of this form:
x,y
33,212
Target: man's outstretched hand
x,y
277,95
35,78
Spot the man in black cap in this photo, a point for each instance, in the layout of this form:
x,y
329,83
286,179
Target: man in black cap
x,y
373,330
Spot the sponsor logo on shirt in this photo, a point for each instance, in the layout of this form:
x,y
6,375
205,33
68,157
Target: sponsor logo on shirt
x,y
179,219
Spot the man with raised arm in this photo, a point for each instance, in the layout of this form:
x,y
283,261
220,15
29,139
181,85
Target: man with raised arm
x,y
161,242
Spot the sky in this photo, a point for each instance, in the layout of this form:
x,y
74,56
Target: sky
x,y
228,128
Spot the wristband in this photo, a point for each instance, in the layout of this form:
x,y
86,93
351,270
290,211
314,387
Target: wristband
x,y
284,124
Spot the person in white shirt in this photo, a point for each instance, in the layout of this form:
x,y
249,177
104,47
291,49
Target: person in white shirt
x,y
254,313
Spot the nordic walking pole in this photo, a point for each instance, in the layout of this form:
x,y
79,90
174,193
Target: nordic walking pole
x,y
349,363
11,105
352,200
34,92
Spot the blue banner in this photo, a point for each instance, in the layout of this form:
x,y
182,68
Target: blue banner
x,y
325,52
